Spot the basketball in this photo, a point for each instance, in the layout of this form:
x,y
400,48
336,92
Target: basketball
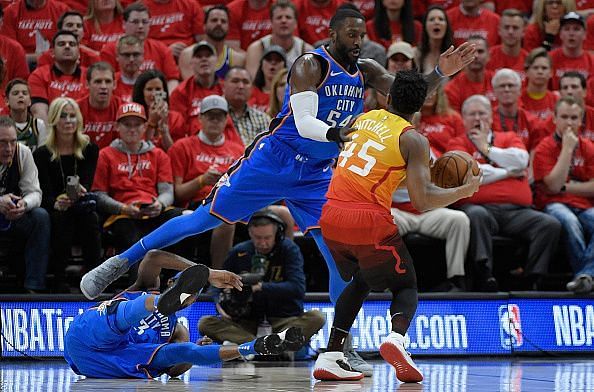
x,y
449,170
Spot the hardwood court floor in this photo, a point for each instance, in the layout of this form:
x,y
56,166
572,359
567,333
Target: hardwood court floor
x,y
470,374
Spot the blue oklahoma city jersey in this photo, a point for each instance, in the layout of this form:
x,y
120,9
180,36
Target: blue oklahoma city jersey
x,y
341,97
155,328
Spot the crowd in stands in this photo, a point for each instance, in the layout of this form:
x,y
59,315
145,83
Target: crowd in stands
x,y
79,164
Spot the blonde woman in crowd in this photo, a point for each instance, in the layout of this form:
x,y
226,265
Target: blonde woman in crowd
x,y
277,93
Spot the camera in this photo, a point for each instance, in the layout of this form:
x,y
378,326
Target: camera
x,y
73,187
160,96
238,304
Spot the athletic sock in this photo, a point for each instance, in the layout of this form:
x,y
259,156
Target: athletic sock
x,y
337,339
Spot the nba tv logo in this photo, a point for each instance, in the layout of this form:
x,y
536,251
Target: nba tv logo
x,y
510,326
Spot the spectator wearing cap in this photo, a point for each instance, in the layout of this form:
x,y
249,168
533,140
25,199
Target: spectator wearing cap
x,y
156,54
64,78
509,54
272,62
67,154
100,107
20,212
283,15
469,19
401,57
248,121
216,27
249,20
198,161
571,56
130,56
14,59
133,180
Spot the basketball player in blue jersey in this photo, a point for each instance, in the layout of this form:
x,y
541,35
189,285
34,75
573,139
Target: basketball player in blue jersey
x,y
293,161
136,334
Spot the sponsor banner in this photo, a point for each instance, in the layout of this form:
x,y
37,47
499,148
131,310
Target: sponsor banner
x,y
445,327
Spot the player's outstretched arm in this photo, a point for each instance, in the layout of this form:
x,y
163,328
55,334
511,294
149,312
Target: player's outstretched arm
x,y
150,268
425,195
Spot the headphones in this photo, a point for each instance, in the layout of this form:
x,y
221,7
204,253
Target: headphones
x,y
266,214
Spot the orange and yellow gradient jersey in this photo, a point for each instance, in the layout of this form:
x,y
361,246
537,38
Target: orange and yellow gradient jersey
x,y
370,167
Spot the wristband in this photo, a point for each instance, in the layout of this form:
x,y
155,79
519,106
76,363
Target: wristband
x,y
333,135
438,71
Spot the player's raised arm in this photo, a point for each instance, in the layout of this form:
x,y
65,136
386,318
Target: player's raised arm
x,y
425,195
151,266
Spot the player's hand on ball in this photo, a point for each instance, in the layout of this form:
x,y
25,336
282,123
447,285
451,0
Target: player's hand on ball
x,y
472,181
225,280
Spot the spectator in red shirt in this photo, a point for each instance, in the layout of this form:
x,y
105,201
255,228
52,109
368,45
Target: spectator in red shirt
x,y
100,107
164,126
72,21
216,28
24,17
563,171
471,19
474,79
272,62
31,131
536,97
573,84
130,56
13,58
508,116
502,204
525,7
176,23
435,39
510,53
314,18
249,20
544,30
64,78
104,23
571,55
156,54
393,21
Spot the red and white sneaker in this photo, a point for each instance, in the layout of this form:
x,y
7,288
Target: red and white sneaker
x,y
393,352
333,366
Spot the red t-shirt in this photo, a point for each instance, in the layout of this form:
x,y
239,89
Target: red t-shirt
x,y
521,5
589,41
100,123
498,59
542,108
190,157
395,26
583,64
527,126
460,88
123,90
259,100
246,24
366,7
584,4
484,24
507,191
131,178
586,129
15,61
313,20
87,58
533,38
77,5
186,99
590,90
175,21
20,22
156,56
582,169
440,129
177,128
48,82
95,38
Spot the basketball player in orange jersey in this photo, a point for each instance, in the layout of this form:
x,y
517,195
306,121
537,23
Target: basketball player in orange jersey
x,y
359,230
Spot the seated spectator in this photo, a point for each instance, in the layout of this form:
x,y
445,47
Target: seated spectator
x,y
249,20
104,23
65,78
13,57
32,24
273,61
394,21
502,203
435,39
100,107
20,214
563,171
176,23
67,158
474,79
284,26
164,126
571,55
31,130
274,295
216,27
248,121
536,97
572,84
313,19
156,54
509,54
470,19
546,22
277,93
72,21
130,56
401,57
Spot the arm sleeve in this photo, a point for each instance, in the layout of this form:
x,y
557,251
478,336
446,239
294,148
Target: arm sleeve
x,y
107,204
492,173
509,158
102,173
29,182
305,110
293,285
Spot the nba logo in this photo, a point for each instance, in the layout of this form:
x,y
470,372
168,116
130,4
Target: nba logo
x,y
510,326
